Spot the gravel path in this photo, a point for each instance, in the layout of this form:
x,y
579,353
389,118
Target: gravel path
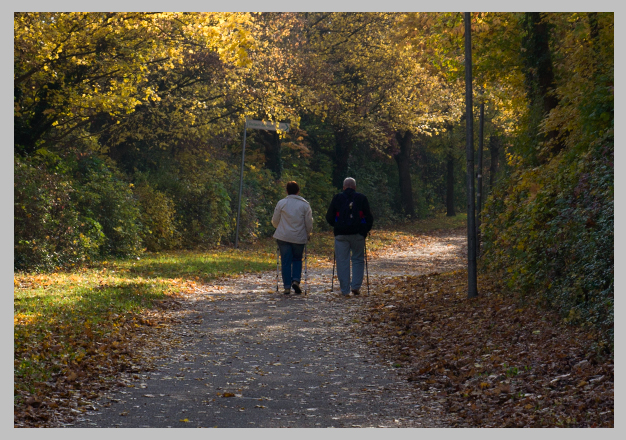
x,y
244,356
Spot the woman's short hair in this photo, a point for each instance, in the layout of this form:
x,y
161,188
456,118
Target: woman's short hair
x,y
292,187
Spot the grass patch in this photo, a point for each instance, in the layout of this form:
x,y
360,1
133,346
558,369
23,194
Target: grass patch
x,y
201,266
62,320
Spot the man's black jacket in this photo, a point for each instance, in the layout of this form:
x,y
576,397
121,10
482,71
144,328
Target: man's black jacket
x,y
364,207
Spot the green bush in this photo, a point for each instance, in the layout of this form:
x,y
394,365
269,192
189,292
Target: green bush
x,y
203,211
103,196
199,190
261,192
49,232
158,216
551,229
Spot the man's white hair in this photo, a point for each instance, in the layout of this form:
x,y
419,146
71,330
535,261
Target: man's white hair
x,y
349,182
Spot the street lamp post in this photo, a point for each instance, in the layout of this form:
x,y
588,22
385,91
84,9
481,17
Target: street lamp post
x,y
472,288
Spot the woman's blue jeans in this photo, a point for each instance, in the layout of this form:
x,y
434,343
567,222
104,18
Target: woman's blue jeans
x,y
291,261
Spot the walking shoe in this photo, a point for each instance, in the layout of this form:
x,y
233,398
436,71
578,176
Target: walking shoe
x,y
296,287
287,291
356,292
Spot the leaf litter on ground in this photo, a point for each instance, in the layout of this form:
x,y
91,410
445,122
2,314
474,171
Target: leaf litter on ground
x,y
490,361
493,361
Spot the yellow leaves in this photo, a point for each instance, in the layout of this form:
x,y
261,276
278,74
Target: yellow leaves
x,y
47,35
24,319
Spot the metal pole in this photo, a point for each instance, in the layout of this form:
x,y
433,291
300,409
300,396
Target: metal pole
x,y
332,280
305,270
472,288
243,155
367,272
277,251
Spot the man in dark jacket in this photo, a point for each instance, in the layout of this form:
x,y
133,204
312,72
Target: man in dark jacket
x,y
349,214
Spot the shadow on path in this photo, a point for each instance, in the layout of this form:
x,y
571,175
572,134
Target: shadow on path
x,y
244,356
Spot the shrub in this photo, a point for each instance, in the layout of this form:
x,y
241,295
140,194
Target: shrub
x,y
199,189
49,232
551,229
203,211
158,216
105,197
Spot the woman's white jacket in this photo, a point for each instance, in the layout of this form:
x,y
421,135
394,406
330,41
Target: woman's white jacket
x,y
293,219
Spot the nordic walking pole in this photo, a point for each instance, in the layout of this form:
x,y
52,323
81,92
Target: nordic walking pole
x,y
332,280
305,270
277,251
367,272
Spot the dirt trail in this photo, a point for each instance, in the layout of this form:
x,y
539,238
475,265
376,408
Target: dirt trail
x,y
244,356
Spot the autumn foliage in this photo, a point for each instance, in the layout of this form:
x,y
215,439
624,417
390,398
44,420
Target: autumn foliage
x,y
128,134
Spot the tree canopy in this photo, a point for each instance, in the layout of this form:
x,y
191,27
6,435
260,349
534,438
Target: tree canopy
x,y
128,131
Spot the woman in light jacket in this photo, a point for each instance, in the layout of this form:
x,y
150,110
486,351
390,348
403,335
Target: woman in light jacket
x,y
293,221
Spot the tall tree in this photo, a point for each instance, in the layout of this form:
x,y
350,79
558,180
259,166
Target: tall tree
x,y
403,158
273,159
343,147
540,81
373,83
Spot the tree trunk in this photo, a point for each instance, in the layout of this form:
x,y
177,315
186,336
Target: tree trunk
x,y
403,159
28,131
494,150
273,157
450,186
540,81
341,156
472,287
